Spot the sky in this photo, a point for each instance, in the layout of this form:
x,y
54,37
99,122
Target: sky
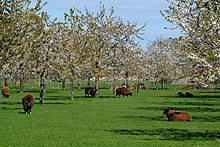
x,y
139,11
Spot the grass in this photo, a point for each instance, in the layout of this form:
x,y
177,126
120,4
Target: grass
x,y
110,122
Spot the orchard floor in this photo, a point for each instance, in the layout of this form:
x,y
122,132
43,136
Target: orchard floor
x,y
133,121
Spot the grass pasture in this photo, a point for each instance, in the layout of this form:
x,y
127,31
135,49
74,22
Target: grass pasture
x,y
110,122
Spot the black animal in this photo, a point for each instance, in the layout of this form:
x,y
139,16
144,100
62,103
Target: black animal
x,y
90,92
188,94
180,94
28,102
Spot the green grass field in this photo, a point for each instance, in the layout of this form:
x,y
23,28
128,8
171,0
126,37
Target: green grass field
x,y
110,122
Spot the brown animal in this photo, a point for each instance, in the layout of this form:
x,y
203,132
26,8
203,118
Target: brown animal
x,y
177,116
5,91
123,91
90,91
28,102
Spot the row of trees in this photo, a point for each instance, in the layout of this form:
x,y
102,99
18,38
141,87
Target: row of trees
x,y
86,45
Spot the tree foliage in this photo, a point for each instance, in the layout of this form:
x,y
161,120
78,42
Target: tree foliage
x,y
200,22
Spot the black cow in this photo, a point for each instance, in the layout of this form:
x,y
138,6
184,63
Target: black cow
x,y
90,92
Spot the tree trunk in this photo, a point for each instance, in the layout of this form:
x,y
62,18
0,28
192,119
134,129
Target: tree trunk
x,y
88,82
21,84
79,83
138,85
72,92
97,86
42,90
126,79
162,84
157,85
114,86
6,84
64,84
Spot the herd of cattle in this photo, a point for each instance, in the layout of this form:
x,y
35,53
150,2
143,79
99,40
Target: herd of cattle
x,y
28,101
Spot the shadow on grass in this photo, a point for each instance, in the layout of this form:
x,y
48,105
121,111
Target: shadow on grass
x,y
146,118
106,96
206,118
9,103
38,90
194,97
183,108
207,96
203,118
8,108
56,98
210,91
172,134
69,98
194,103
195,118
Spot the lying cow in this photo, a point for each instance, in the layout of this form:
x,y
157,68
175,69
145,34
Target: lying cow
x,y
123,91
187,94
89,91
177,116
180,94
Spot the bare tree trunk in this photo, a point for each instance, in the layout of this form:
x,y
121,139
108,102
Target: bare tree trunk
x,y
88,82
79,83
72,92
157,85
162,84
114,86
21,84
138,85
97,86
42,90
126,79
64,84
6,82
42,87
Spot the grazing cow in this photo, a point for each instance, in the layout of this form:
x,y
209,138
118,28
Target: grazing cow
x,y
123,91
5,91
177,116
90,91
28,102
188,94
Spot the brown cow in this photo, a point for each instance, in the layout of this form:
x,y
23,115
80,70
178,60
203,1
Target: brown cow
x,y
123,91
177,116
90,91
5,91
28,102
